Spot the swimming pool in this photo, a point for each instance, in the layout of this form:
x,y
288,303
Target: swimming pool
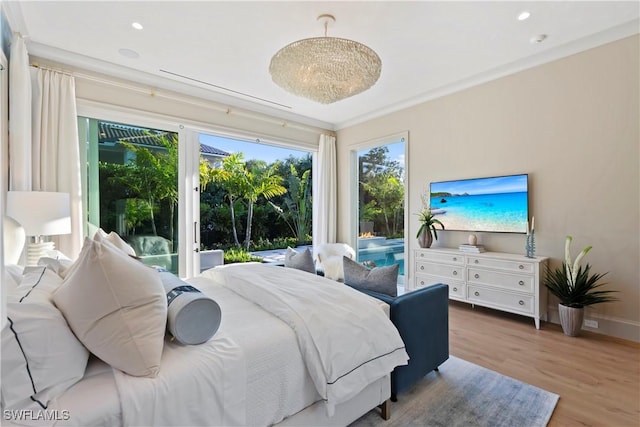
x,y
382,252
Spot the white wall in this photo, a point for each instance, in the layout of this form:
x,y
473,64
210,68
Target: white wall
x,y
573,126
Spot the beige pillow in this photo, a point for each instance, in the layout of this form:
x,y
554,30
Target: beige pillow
x,y
117,308
115,239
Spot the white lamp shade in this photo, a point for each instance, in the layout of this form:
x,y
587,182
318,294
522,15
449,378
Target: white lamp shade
x,y
41,213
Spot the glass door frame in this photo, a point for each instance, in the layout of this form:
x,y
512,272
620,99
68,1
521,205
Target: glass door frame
x,y
186,153
354,191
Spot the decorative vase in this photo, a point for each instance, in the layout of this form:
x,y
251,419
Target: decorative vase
x,y
473,240
571,319
425,238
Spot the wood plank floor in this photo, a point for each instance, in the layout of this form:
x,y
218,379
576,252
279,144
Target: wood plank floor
x,y
597,377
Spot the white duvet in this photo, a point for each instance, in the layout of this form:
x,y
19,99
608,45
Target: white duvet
x,y
346,340
204,387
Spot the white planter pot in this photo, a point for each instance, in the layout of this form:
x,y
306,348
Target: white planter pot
x,y
570,319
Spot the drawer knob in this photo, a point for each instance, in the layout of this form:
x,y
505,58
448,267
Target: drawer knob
x,y
476,293
476,261
422,282
455,273
455,258
421,254
477,276
521,302
521,267
422,267
455,289
521,283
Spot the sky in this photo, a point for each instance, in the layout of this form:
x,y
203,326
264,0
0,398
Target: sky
x,y
270,153
494,185
251,150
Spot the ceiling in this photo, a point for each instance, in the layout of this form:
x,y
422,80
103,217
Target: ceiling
x,y
222,50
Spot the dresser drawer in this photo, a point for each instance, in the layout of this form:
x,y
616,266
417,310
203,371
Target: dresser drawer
x,y
440,257
443,270
457,288
518,282
507,300
516,266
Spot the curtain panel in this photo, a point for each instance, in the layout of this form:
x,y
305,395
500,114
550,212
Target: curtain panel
x,y
56,151
325,197
20,117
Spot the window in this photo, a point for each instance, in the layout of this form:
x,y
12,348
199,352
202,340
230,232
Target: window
x,y
258,197
131,186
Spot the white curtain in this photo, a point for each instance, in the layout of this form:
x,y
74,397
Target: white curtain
x,y
325,198
56,152
19,117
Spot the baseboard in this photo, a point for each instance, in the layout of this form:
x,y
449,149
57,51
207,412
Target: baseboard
x,y
607,325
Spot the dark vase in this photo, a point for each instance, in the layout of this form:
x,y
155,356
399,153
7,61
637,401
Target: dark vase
x,y
425,239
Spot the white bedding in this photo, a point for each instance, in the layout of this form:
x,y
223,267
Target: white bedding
x,y
346,341
275,381
193,388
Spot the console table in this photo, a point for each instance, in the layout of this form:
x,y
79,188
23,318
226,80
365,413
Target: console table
x,y
502,281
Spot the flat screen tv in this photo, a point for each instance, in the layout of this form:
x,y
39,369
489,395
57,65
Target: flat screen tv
x,y
497,204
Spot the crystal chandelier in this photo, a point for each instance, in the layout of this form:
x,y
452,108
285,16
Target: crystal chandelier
x,y
325,69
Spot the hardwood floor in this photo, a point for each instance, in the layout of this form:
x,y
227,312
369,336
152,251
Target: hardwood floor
x,y
597,377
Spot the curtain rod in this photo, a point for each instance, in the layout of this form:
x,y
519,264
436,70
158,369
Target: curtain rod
x,y
206,104
57,70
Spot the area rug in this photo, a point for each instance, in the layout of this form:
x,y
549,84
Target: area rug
x,y
464,394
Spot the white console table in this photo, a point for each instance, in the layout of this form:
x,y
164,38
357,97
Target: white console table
x,y
502,281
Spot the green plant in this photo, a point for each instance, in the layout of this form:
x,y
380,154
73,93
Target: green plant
x,y
428,221
298,203
236,255
573,284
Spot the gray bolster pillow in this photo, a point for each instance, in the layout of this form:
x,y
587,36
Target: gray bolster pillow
x,y
192,317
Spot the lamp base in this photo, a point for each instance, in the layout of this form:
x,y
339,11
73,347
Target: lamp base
x,y
35,251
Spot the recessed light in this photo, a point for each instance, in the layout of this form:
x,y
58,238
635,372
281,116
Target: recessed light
x,y
525,14
137,25
128,53
538,39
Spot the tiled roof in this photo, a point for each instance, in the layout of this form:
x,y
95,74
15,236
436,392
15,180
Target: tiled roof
x,y
115,132
207,149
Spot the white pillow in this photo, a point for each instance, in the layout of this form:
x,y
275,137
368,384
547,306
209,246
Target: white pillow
x,y
41,358
15,271
116,241
117,308
57,261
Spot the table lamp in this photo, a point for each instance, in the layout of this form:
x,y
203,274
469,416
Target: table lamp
x,y
41,214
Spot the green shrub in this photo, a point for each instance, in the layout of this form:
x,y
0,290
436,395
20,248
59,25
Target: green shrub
x,y
236,255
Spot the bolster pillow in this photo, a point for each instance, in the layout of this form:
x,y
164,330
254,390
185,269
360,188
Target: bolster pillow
x,y
192,317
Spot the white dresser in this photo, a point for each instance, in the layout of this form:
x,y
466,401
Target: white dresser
x,y
502,281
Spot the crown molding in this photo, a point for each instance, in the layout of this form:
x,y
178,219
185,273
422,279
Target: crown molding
x,y
81,62
571,48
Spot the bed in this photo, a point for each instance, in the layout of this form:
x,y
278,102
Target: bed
x,y
309,352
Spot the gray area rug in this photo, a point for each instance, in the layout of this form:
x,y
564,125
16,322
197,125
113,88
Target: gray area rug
x,y
464,394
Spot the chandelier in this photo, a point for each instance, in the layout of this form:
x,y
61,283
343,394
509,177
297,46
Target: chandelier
x,y
325,69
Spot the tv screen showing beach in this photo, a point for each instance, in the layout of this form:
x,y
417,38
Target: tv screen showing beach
x,y
496,204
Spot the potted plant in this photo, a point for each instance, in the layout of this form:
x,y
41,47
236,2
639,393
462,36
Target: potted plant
x,y
575,287
428,224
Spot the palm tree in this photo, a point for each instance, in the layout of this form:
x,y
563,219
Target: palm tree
x,y
232,176
260,182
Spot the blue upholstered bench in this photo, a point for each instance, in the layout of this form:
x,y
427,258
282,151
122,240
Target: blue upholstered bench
x,y
422,318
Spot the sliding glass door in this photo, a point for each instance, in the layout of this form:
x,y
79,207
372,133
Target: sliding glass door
x,y
381,199
131,187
